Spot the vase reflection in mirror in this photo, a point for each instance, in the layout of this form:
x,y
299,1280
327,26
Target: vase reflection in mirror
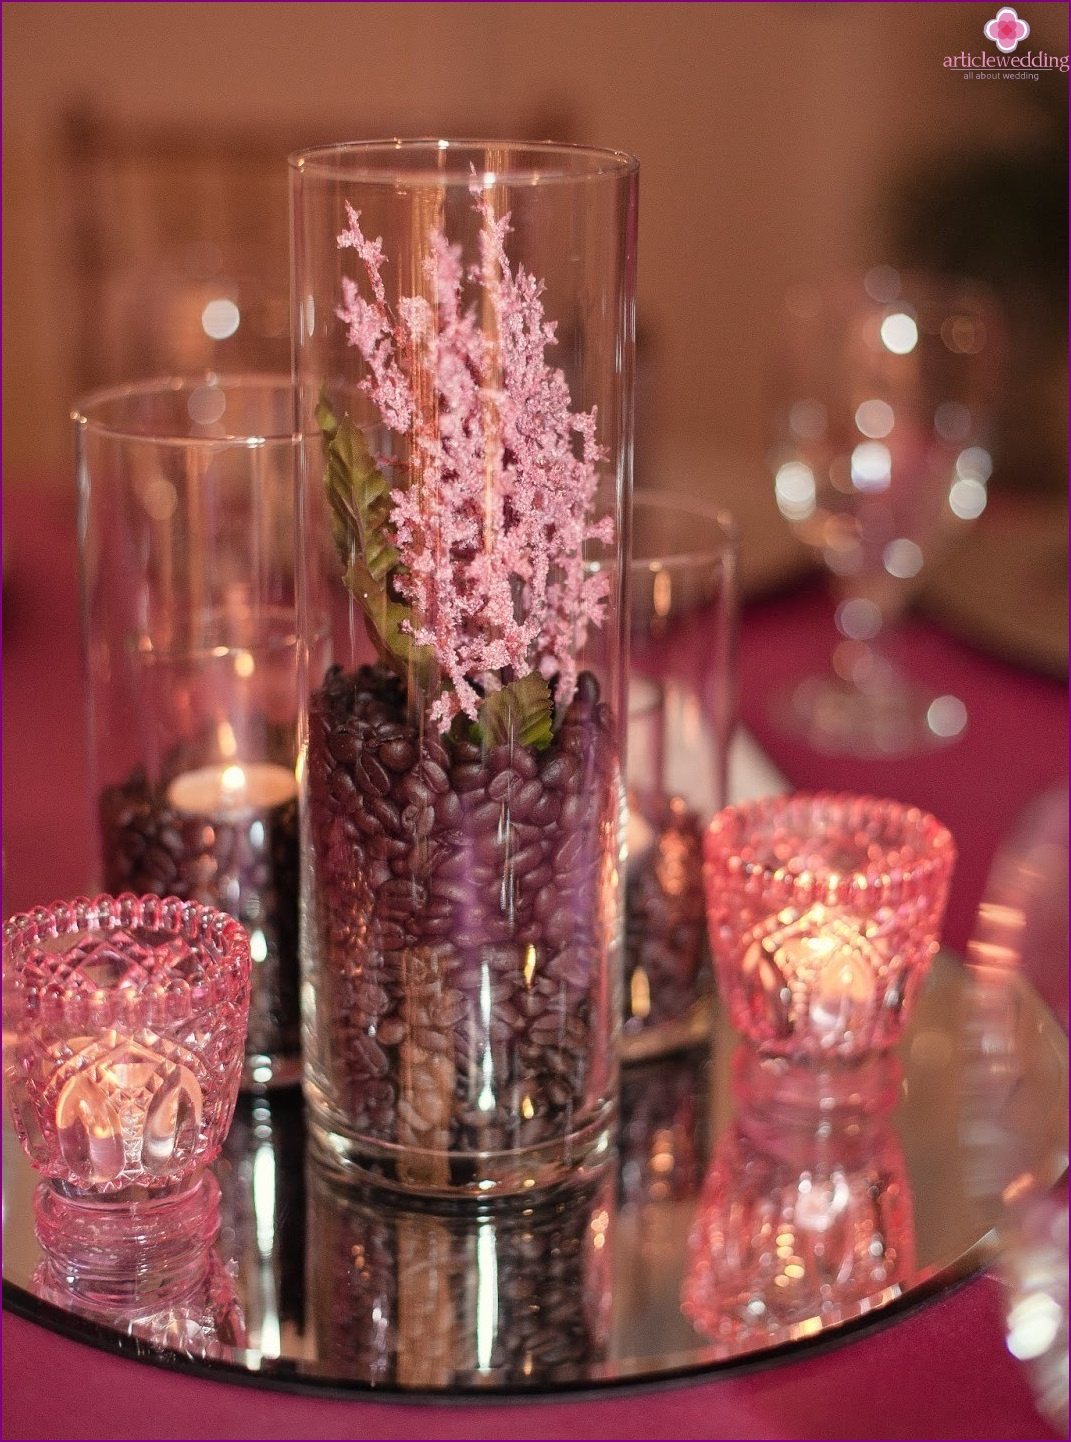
x,y
1021,930
261,1174
805,1216
149,1270
125,1025
516,1292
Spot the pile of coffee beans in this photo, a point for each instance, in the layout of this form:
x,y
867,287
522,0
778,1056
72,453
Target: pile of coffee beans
x,y
246,866
665,923
398,1293
465,907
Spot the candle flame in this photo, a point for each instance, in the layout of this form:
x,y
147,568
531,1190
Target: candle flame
x,y
233,778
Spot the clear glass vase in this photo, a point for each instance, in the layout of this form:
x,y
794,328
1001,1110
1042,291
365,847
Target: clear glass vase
x,y
682,692
464,329
187,525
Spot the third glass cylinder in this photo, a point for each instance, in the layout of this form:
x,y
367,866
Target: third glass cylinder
x,y
464,335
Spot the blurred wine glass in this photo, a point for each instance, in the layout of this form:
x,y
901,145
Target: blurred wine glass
x,y
885,394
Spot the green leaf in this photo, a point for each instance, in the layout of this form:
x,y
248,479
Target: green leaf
x,y
385,618
360,501
520,714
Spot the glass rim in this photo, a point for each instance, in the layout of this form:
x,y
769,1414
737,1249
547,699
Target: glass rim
x,y
83,417
342,160
726,548
745,819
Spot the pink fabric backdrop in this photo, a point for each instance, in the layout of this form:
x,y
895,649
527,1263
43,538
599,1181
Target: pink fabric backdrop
x,y
938,1370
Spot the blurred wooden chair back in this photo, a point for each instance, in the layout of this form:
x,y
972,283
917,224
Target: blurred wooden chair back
x,y
178,241
178,247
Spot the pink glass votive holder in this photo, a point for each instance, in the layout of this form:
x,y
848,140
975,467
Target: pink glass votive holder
x,y
824,914
124,1027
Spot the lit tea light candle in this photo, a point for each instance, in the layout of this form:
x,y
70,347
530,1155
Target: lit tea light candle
x,y
232,790
820,970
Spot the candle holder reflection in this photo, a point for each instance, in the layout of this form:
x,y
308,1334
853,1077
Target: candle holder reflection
x,y
516,1292
805,1217
148,1268
824,915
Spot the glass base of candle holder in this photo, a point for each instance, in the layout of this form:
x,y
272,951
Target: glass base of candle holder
x,y
894,718
456,1174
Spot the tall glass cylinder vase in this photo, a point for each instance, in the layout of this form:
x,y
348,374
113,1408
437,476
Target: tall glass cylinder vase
x,y
187,525
464,329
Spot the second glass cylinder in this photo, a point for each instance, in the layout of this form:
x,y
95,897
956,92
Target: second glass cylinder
x,y
464,320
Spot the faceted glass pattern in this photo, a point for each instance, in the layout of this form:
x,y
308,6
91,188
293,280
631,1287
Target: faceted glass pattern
x,y
824,913
149,1269
801,1219
124,1025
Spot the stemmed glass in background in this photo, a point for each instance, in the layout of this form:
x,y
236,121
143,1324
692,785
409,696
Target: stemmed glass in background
x,y
886,389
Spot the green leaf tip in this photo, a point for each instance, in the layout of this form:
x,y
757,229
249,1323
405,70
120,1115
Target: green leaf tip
x,y
521,714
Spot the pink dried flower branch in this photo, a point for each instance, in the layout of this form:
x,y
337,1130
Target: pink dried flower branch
x,y
492,527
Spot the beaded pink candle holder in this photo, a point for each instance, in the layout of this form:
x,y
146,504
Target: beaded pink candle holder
x,y
124,1027
824,914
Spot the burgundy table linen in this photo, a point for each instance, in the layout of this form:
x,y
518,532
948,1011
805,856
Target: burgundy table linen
x,y
938,1369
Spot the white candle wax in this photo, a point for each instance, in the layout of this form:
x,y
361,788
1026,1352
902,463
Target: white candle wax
x,y
639,836
232,789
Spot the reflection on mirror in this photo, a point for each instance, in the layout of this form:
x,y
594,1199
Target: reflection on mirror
x,y
864,1188
148,1268
433,1296
805,1215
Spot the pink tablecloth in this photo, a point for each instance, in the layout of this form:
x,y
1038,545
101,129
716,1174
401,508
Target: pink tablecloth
x,y
939,1370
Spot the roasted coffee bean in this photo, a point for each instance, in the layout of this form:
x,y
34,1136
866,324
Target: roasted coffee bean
x,y
371,776
523,800
575,810
391,1030
369,1056
344,746
416,791
399,755
545,810
525,860
468,776
503,783
387,814
536,879
587,688
448,811
371,998
434,776
485,816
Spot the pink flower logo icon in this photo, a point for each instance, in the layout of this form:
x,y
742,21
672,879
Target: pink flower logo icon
x,y
1006,29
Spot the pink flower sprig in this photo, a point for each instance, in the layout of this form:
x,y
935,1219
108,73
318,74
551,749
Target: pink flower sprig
x,y
492,526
